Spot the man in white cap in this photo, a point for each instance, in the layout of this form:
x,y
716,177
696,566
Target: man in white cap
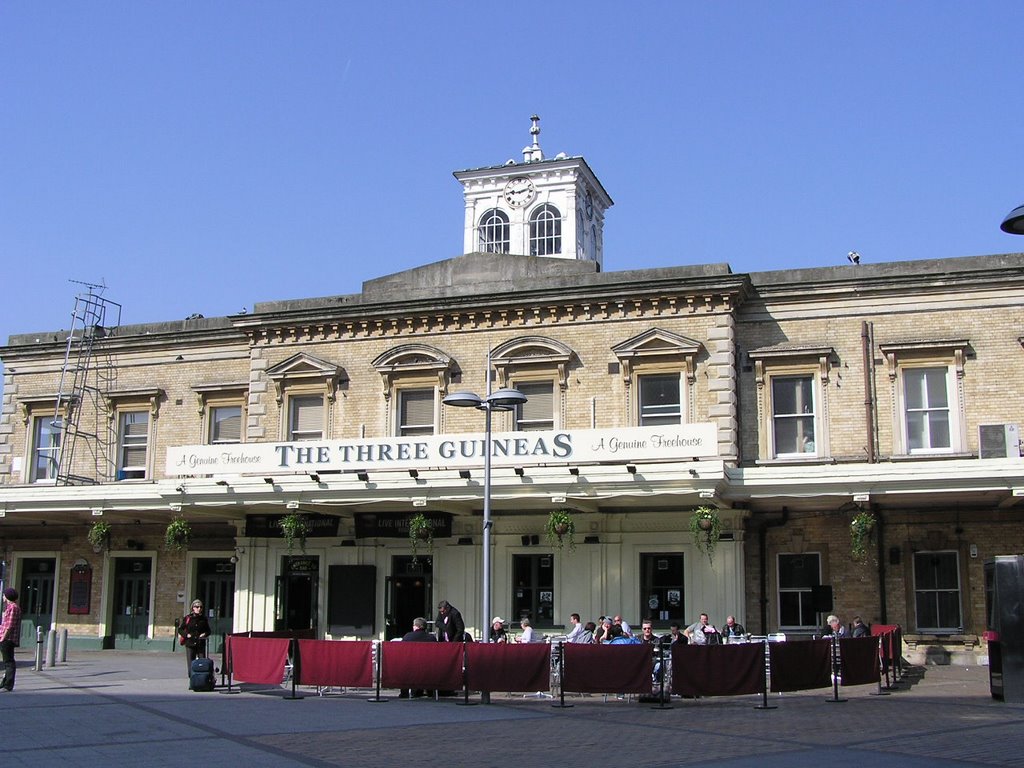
x,y
498,630
10,636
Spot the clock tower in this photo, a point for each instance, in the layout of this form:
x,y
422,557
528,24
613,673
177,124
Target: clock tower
x,y
537,207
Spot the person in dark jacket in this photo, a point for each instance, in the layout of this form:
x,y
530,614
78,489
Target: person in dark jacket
x,y
418,634
449,624
193,630
860,629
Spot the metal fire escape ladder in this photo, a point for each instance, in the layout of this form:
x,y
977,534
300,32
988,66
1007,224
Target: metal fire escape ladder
x,y
80,383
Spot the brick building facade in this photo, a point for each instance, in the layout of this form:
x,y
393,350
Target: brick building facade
x,y
814,396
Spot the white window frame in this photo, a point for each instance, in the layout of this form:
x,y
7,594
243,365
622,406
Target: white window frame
x,y
952,412
411,430
805,593
545,230
522,424
494,232
37,451
293,398
212,409
949,354
791,361
133,471
812,450
655,419
958,591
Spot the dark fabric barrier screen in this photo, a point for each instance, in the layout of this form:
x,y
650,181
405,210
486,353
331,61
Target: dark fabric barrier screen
x,y
718,670
421,665
504,667
258,659
607,668
799,666
891,647
858,661
330,662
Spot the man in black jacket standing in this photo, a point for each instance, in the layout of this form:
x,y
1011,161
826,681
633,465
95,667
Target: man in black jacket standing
x,y
449,624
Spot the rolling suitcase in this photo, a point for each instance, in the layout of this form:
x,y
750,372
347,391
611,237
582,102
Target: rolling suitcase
x,y
201,677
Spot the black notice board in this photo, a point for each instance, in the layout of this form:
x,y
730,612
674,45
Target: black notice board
x,y
352,597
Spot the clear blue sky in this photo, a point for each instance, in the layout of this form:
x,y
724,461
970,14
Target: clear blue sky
x,y
203,156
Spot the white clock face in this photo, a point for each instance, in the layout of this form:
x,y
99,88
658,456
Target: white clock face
x,y
519,192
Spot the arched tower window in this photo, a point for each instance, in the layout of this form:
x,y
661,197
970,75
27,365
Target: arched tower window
x,y
545,231
493,232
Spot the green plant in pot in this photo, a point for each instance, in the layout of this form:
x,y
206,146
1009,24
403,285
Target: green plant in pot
x,y
421,532
99,536
295,530
860,533
178,535
561,529
706,526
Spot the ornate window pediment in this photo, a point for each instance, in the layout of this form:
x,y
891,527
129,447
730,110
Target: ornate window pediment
x,y
902,351
303,369
657,346
531,353
410,360
786,354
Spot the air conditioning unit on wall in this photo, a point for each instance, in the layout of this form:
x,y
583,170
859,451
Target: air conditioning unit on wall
x,y
998,441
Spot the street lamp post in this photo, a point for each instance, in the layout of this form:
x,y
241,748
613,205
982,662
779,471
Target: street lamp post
x,y
502,400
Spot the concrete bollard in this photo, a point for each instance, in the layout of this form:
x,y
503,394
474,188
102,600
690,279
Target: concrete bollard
x,y
39,649
51,648
62,646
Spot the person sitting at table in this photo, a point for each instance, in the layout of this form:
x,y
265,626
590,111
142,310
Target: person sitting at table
x,y
860,629
647,633
529,635
418,634
675,635
576,629
603,634
702,632
618,637
733,631
626,629
498,634
835,627
587,635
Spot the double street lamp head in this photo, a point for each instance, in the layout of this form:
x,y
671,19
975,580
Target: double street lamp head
x,y
502,400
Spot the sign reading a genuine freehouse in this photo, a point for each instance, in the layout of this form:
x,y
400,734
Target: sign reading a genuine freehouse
x,y
665,443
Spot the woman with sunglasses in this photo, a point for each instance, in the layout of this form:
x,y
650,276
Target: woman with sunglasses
x,y
193,631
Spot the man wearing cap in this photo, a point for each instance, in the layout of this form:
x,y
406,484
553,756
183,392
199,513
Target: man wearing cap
x,y
498,634
10,636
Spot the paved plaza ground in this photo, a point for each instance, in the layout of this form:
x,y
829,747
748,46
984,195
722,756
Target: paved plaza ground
x,y
112,708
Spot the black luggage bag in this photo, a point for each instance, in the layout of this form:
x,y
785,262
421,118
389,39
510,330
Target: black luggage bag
x,y
201,678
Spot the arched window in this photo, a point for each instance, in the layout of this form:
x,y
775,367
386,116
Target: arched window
x,y
492,232
545,231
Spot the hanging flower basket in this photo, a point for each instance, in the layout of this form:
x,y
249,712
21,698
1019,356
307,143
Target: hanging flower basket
x,y
860,533
178,535
99,536
705,525
295,530
421,532
561,529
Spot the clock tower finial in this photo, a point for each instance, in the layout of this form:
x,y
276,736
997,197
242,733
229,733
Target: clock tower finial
x,y
534,153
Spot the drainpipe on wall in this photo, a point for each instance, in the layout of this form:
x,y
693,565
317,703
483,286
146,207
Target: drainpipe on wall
x,y
869,395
